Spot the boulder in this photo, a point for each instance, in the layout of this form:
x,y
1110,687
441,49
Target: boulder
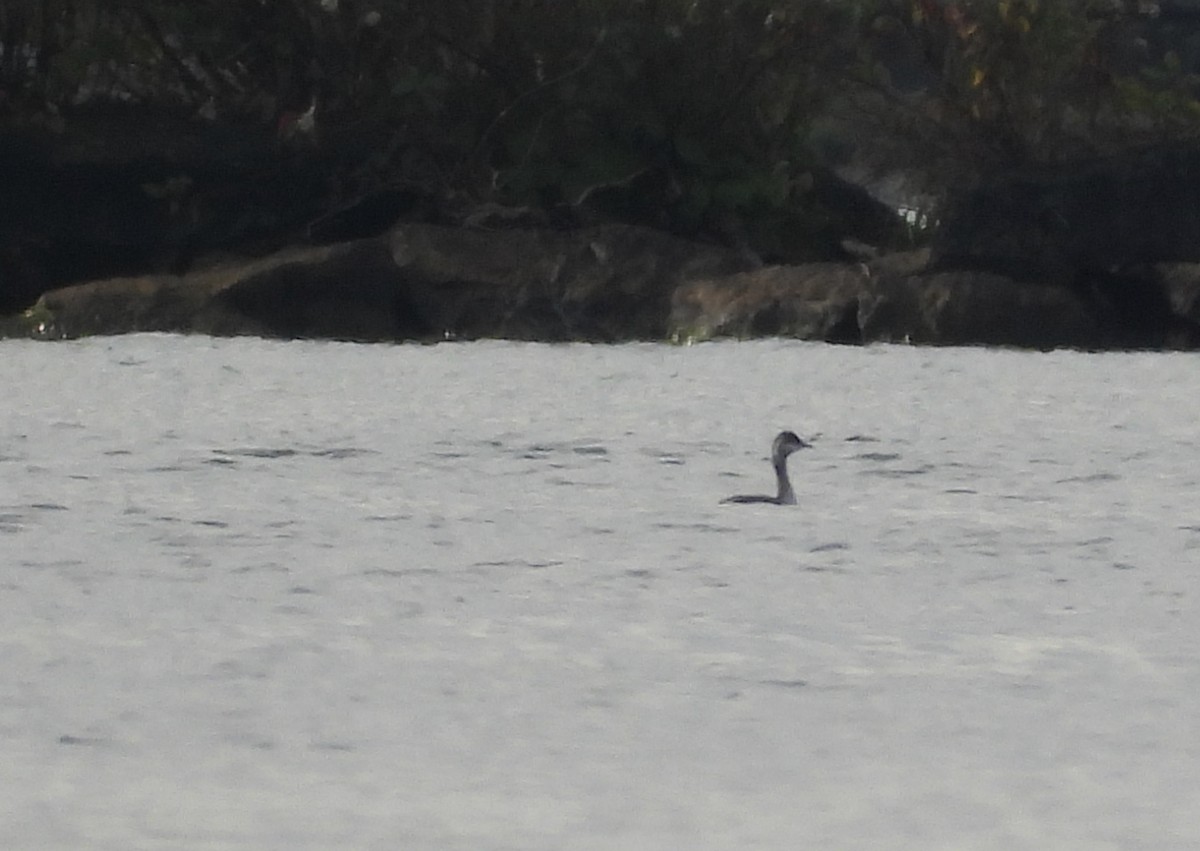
x,y
610,282
417,282
613,283
124,193
967,307
1103,230
1181,283
814,301
850,304
230,298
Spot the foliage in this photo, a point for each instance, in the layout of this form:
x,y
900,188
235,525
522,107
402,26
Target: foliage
x,y
695,113
1010,83
698,115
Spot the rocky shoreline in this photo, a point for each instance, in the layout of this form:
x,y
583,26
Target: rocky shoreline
x,y
725,195
1102,255
608,283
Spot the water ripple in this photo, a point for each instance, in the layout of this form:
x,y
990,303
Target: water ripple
x,y
830,547
534,564
1084,480
898,473
336,453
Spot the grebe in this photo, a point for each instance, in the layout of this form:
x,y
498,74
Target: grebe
x,y
785,444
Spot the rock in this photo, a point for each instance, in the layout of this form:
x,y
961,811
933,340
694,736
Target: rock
x,y
127,194
842,303
899,263
419,281
975,308
612,283
1098,229
1181,283
233,298
814,301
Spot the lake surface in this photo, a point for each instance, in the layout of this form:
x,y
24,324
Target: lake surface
x,y
263,595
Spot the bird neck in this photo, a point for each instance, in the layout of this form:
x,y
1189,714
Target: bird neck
x,y
784,485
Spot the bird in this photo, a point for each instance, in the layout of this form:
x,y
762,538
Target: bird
x,y
786,442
